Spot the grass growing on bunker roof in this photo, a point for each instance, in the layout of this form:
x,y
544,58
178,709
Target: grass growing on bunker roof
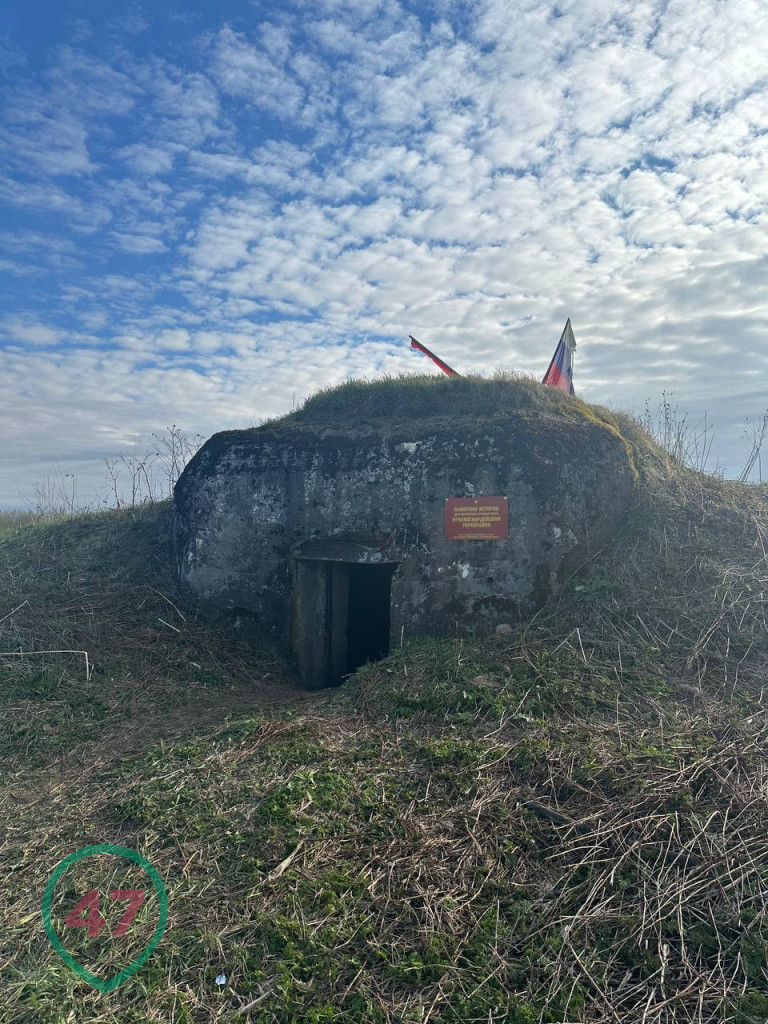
x,y
424,396
564,823
430,399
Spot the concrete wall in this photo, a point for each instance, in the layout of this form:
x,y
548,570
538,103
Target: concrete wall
x,y
250,502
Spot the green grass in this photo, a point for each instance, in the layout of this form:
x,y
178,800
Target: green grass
x,y
382,852
429,397
423,396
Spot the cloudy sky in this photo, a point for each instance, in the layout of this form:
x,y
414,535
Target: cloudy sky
x,y
210,209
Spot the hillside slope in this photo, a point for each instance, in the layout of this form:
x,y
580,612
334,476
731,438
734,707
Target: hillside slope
x,y
566,823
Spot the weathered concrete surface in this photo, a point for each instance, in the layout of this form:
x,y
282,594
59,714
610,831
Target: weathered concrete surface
x,y
252,503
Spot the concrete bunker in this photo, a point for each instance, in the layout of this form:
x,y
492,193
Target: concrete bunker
x,y
399,508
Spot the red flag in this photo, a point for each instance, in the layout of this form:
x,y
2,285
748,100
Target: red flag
x,y
439,362
560,371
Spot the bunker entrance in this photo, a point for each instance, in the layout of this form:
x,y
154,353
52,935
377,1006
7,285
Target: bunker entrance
x,y
342,618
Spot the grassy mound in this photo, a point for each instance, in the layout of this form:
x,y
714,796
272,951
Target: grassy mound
x,y
428,397
424,396
566,823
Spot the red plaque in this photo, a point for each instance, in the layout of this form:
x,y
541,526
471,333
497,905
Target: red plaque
x,y
476,518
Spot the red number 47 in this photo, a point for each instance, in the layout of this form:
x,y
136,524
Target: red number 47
x,y
93,921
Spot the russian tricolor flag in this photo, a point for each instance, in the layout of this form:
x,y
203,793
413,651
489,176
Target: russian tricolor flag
x,y
560,371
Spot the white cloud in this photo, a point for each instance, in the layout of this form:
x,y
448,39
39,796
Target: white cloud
x,y
285,200
146,159
249,70
139,244
18,328
54,144
174,340
219,165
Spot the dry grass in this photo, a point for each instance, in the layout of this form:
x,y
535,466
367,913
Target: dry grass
x,y
12,518
94,644
565,824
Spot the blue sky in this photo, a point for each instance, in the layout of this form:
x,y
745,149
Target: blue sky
x,y
209,210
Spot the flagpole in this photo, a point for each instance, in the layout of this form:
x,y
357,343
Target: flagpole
x,y
449,370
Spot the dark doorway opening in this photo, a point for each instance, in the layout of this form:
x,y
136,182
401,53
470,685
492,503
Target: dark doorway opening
x,y
368,614
342,618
